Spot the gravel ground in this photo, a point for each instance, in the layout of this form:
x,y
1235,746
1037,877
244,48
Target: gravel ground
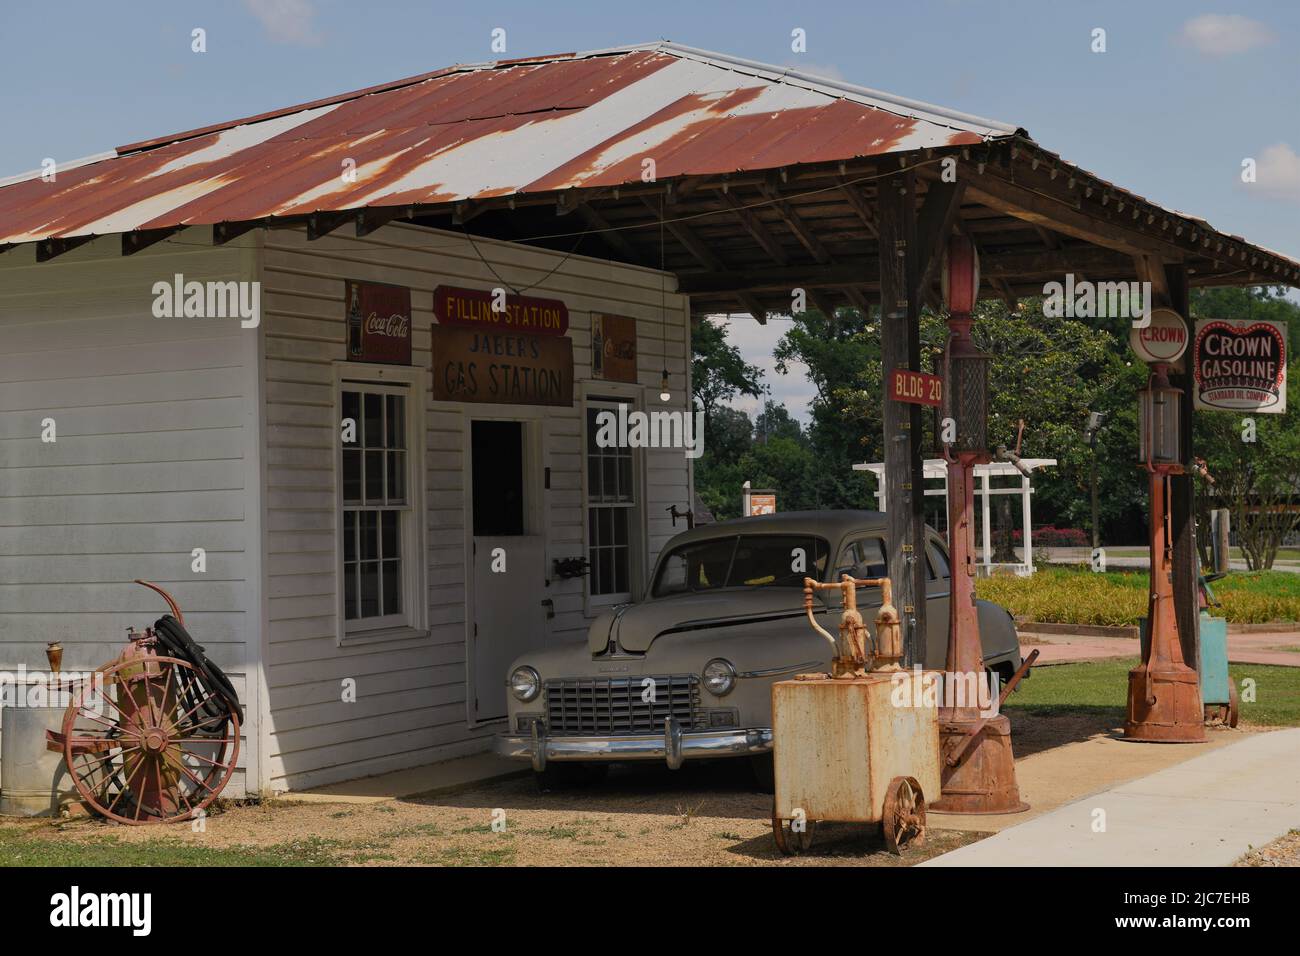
x,y
640,816
1284,851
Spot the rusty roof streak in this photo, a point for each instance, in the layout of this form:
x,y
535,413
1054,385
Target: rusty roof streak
x,y
475,131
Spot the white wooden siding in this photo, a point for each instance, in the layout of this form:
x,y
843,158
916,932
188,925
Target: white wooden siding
x,y
155,455
411,693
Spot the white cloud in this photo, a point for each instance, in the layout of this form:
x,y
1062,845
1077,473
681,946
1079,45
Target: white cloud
x,y
1277,173
286,21
1224,35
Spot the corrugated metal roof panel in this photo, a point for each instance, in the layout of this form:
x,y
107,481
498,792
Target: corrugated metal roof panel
x,y
484,130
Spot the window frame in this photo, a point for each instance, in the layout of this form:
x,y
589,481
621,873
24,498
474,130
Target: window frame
x,y
412,621
608,397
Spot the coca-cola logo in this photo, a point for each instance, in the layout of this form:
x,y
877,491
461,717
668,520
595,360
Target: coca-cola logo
x,y
394,326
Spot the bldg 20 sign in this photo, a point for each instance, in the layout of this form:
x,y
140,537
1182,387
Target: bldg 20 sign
x,y
1240,365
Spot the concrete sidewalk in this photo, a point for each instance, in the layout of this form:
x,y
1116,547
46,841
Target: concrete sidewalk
x,y
1207,811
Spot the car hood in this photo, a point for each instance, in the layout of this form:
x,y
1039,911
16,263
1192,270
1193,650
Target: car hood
x,y
637,625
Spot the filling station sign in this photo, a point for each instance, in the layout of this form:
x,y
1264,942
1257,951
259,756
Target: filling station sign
x,y
494,310
1240,365
378,323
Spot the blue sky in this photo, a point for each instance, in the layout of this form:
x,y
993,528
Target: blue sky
x,y
1183,93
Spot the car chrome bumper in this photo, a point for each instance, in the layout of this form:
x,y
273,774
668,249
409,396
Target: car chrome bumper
x,y
673,746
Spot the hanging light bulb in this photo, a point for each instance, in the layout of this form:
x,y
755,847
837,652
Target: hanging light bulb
x,y
664,394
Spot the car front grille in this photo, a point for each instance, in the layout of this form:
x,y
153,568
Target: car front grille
x,y
614,705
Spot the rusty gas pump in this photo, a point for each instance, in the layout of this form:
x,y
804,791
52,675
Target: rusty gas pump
x,y
979,773
1164,694
850,658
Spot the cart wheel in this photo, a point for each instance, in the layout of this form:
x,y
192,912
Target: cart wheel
x,y
1231,713
146,743
903,819
787,840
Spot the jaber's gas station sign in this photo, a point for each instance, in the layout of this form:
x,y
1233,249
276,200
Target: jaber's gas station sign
x,y
1240,365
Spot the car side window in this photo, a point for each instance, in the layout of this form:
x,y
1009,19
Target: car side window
x,y
938,562
863,558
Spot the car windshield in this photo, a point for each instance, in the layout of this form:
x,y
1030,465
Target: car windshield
x,y
743,560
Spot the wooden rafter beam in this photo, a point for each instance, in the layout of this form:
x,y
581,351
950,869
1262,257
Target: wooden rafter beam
x,y
691,242
368,220
47,249
610,236
1151,269
934,224
1035,207
224,232
795,224
323,223
854,196
463,212
133,242
757,229
858,298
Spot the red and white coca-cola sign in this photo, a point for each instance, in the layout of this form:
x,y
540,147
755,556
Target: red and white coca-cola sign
x,y
378,322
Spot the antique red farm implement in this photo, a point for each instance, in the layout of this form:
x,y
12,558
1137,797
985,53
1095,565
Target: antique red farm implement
x,y
152,736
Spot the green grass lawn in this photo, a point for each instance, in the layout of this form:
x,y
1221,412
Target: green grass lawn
x,y
1103,686
21,846
1074,595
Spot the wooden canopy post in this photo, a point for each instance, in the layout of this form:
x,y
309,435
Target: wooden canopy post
x,y
1182,498
900,346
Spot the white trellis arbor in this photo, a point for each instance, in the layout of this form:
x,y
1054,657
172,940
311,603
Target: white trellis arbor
x,y
937,468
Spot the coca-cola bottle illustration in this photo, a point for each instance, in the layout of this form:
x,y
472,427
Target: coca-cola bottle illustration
x,y
598,348
355,322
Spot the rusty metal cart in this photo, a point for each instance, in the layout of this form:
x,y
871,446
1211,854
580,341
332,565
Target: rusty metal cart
x,y
855,746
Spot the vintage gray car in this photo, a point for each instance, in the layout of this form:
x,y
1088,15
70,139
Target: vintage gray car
x,y
686,673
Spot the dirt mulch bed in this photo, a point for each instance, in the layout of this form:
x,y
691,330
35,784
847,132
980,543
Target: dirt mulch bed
x,y
1284,851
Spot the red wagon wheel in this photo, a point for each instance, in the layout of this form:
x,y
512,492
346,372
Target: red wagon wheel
x,y
146,742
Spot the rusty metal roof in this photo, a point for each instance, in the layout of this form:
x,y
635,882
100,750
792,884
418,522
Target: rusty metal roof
x,y
484,130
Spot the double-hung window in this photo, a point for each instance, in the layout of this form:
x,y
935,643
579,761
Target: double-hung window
x,y
379,520
611,511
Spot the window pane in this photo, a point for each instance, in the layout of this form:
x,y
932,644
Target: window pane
x,y
349,536
352,410
609,467
396,477
625,479
619,517
369,535
621,556
392,587
351,475
592,430
396,421
370,589
388,526
374,421
350,591
938,563
593,478
607,570
874,563
374,476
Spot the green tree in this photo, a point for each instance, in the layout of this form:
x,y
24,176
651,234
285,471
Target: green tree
x,y
718,371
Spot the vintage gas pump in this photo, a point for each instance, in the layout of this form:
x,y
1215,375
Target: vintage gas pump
x,y
979,773
1164,694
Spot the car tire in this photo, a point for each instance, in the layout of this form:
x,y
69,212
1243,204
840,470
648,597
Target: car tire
x,y
570,776
763,770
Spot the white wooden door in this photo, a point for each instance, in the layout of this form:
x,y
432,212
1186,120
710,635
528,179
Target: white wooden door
x,y
510,617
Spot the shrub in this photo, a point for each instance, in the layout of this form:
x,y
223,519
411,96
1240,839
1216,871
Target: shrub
x,y
1119,598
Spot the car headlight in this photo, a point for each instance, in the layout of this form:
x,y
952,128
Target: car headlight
x,y
525,684
719,677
